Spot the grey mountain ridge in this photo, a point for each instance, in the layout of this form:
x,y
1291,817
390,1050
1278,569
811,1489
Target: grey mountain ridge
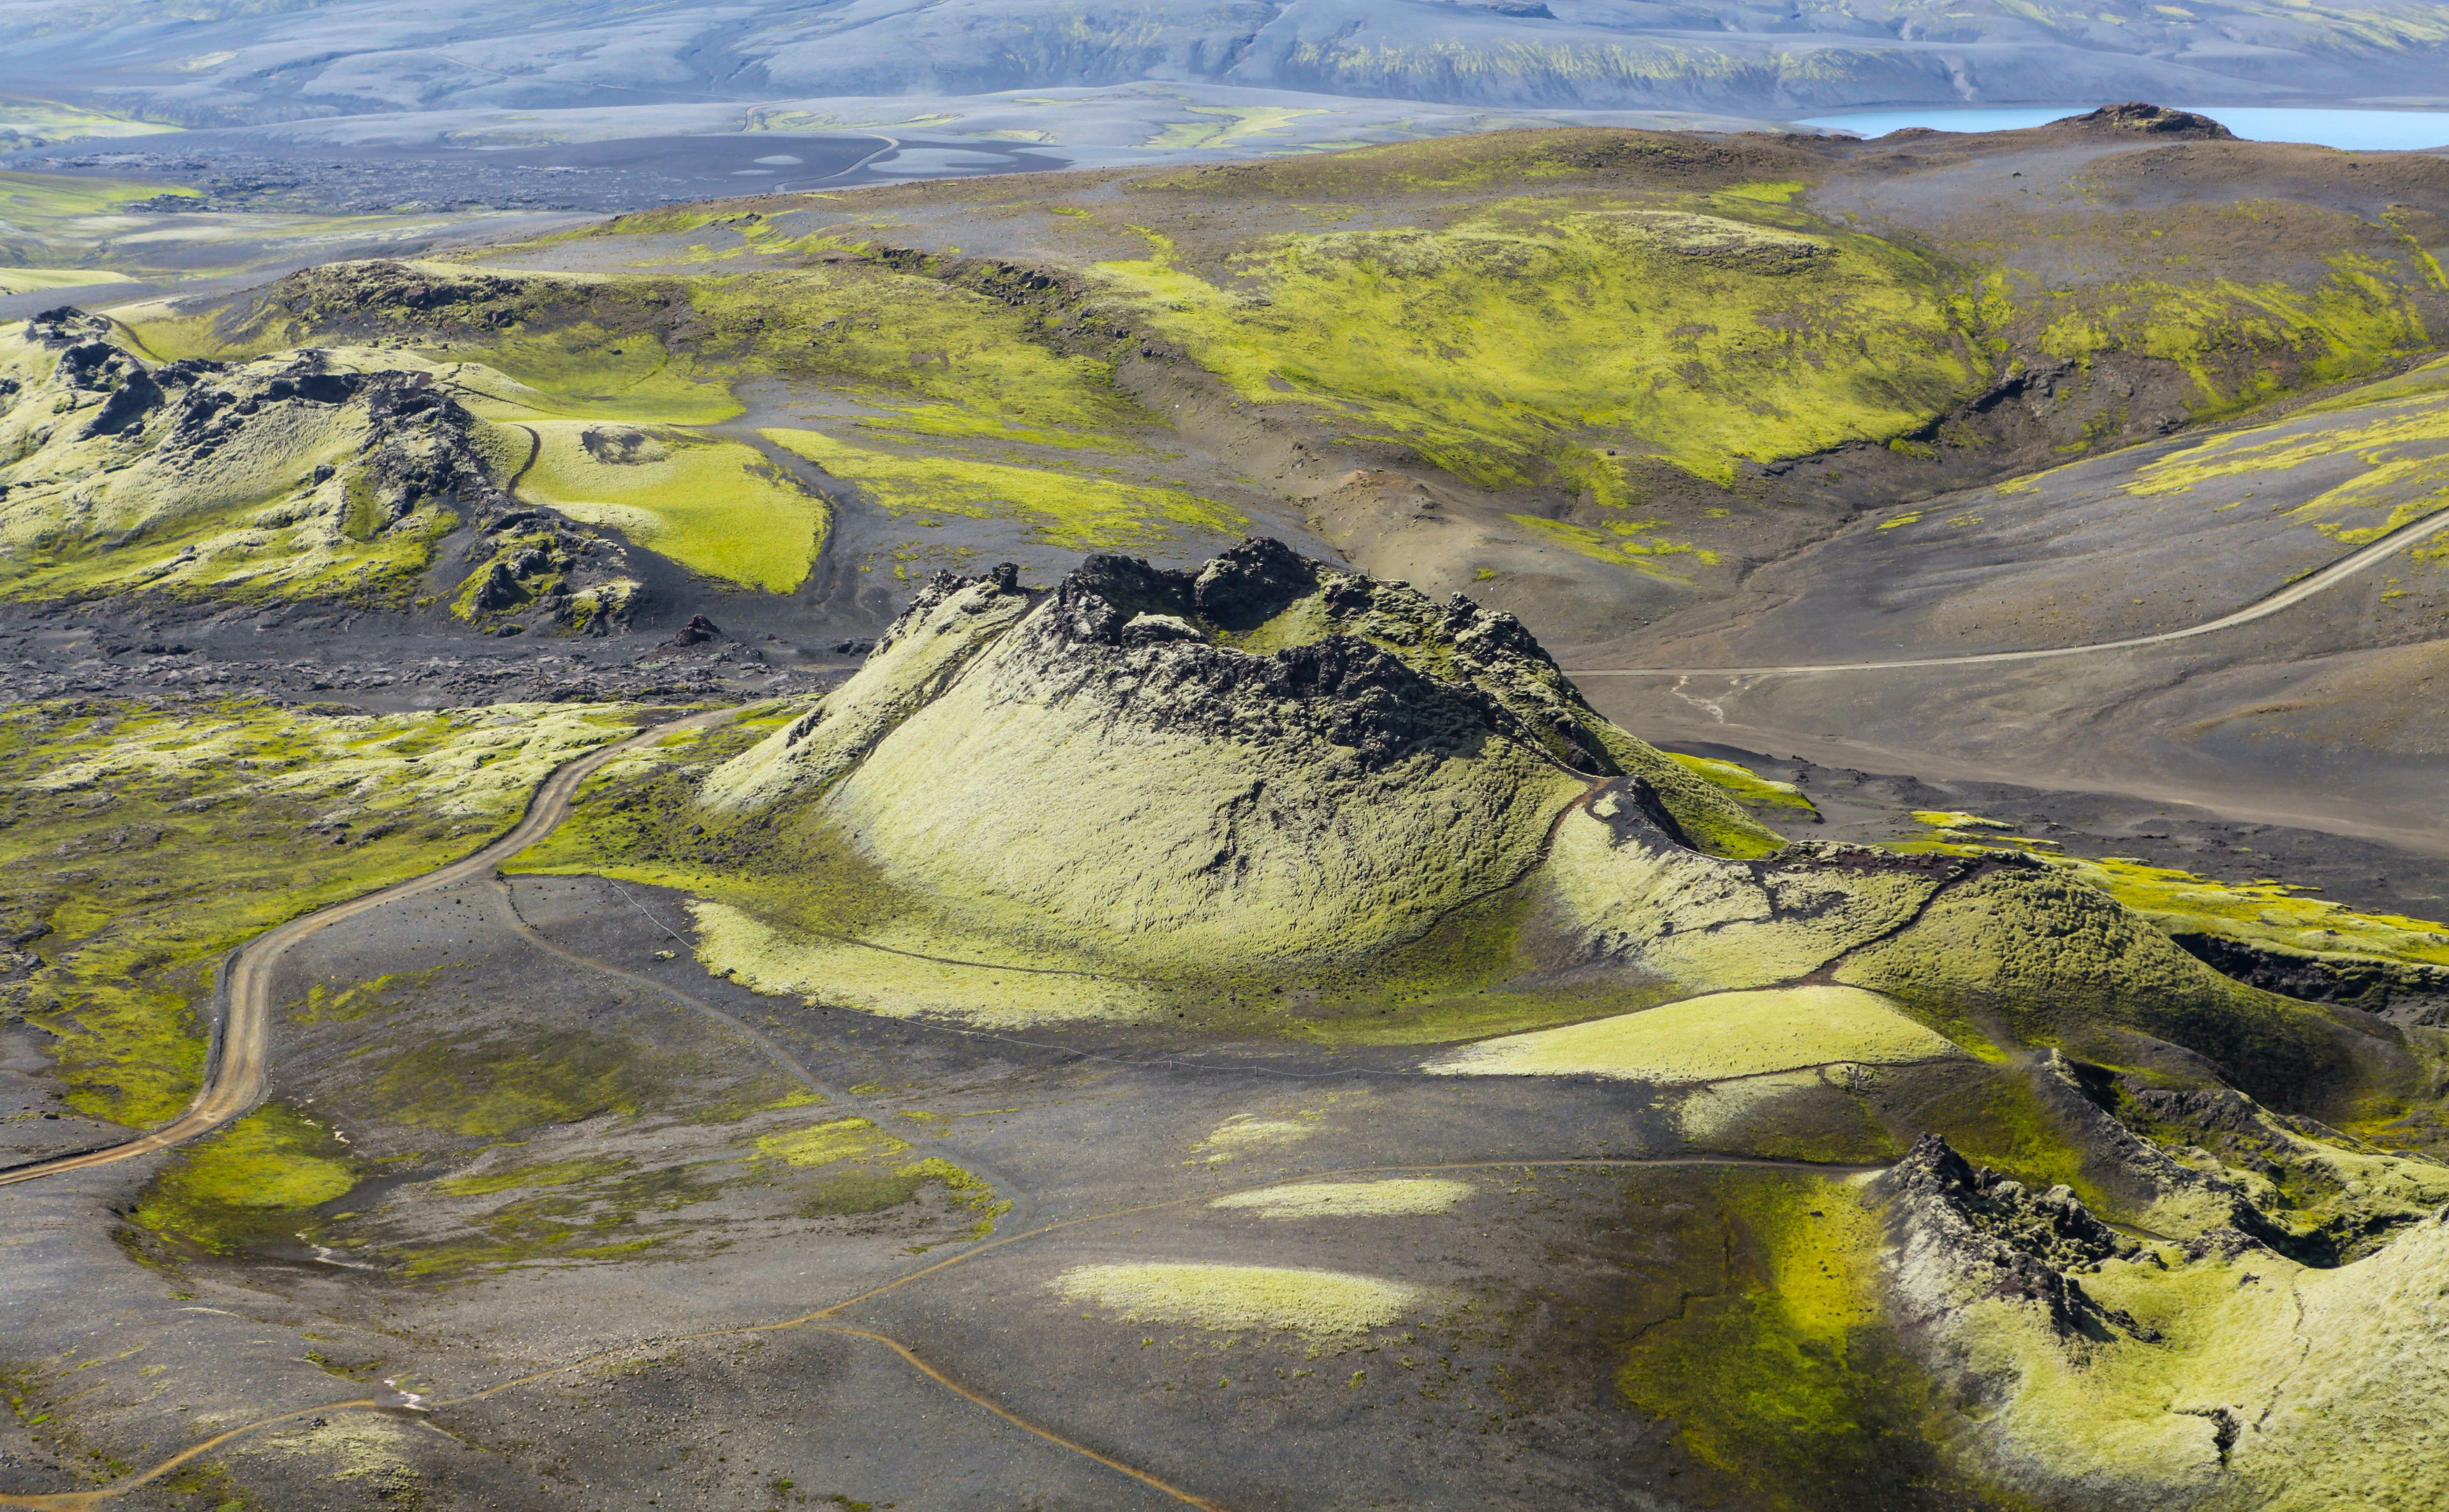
x,y
221,61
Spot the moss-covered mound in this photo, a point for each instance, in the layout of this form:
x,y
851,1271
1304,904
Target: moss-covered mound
x,y
2097,1370
304,473
282,475
1260,765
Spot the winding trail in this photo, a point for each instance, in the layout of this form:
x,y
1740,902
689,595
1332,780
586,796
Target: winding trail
x,y
2293,593
234,1076
890,145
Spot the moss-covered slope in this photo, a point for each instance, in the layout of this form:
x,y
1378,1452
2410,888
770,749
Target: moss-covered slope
x,y
642,395
1584,375
137,843
283,476
1258,768
1588,375
306,474
2097,1370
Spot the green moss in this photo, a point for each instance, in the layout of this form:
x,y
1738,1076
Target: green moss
x,y
803,880
2388,442
583,370
1713,1037
1397,1197
1064,507
2052,961
1619,542
51,215
850,1193
1459,980
1534,341
960,401
40,122
828,1143
487,1088
1779,1372
304,502
2242,343
2264,912
606,1211
358,999
1994,1118
1954,820
1749,788
1841,1126
795,898
33,280
870,1185
935,354
967,1189
922,352
715,507
2251,1380
558,1172
1755,170
247,1184
150,838
1331,1305
1704,809
260,550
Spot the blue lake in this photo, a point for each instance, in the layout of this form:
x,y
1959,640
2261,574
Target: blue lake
x,y
2354,130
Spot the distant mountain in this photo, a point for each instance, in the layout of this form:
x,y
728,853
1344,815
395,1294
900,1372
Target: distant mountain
x,y
224,62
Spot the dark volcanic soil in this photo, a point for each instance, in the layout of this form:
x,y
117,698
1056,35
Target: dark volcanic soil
x,y
377,663
1868,807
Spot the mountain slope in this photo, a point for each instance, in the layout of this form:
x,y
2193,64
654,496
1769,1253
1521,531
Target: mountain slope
x,y
218,63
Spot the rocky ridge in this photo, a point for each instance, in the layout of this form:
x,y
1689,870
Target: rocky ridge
x,y
1961,1232
1262,646
297,475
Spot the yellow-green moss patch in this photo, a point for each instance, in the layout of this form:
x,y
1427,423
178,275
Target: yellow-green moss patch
x,y
903,971
1772,1359
1245,1132
714,507
2261,911
1954,819
1320,1304
1707,1039
1523,344
1393,1197
247,1183
821,1144
1748,786
148,839
1064,507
